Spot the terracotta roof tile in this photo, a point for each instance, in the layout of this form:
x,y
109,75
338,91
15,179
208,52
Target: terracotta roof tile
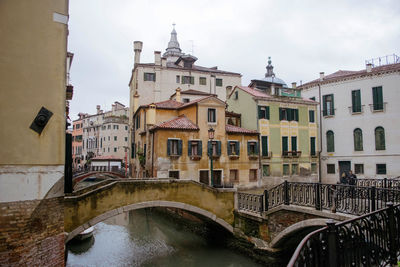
x,y
258,93
235,129
181,123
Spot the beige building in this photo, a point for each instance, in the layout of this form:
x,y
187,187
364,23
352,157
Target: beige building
x,y
33,82
105,133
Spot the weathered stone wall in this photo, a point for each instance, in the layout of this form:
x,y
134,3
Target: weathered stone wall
x,y
32,233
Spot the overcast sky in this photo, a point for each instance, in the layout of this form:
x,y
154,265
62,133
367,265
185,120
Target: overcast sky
x,y
302,37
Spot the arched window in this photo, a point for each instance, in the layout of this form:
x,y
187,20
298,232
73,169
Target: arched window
x,y
380,138
358,140
330,141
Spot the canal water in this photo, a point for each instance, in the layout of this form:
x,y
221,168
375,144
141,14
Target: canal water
x,y
144,238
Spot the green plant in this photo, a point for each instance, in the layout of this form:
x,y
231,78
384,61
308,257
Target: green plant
x,y
142,157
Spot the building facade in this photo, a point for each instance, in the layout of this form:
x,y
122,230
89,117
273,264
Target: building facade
x,y
104,133
33,95
77,143
171,140
287,125
358,120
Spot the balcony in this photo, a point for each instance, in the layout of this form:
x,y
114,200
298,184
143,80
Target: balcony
x,y
195,157
378,107
355,110
253,156
268,156
291,154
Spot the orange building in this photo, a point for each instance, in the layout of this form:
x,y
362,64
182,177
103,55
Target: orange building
x,y
77,144
171,139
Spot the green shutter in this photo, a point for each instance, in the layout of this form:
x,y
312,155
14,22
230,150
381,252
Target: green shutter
x,y
311,115
330,142
189,148
200,149
259,113
267,112
219,148
377,98
296,114
280,114
312,145
284,143
179,147
183,79
191,80
248,148
264,144
237,148
289,114
257,147
294,143
229,148
209,148
333,105
324,111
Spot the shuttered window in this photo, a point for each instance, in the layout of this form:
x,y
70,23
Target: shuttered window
x,y
380,138
328,105
312,146
330,141
233,148
264,145
187,80
285,146
195,148
288,114
356,100
358,140
263,112
252,148
214,148
377,98
294,143
174,147
311,115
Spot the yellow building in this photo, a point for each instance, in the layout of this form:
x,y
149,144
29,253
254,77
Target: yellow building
x,y
171,139
33,82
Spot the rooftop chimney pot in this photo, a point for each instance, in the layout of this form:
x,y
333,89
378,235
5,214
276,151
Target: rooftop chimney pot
x,y
321,76
369,67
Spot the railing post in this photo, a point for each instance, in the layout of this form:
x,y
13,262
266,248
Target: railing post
x,y
68,186
372,194
332,244
384,182
317,189
286,193
392,240
265,200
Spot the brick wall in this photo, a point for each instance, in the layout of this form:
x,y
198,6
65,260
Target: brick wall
x,y
32,233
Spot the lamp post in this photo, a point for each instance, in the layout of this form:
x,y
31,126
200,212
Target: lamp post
x,y
210,153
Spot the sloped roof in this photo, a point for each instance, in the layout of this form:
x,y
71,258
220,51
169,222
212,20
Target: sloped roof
x,y
167,104
177,123
235,129
349,74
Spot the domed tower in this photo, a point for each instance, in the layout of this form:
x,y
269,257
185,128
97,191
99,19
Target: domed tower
x,y
173,51
270,82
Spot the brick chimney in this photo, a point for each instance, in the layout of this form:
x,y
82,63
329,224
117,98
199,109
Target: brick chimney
x,y
178,95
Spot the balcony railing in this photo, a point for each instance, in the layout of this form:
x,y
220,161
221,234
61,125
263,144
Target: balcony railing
x,y
356,109
378,107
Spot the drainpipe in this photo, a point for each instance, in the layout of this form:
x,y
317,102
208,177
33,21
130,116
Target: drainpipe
x,y
152,156
320,135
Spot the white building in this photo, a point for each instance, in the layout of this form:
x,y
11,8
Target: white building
x,y
106,133
360,127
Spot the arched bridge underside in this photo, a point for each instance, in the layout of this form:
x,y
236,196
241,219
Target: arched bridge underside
x,y
87,207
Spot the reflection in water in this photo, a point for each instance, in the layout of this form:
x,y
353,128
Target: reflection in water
x,y
149,239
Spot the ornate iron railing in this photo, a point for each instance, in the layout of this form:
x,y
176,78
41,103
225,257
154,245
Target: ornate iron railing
x,y
336,198
379,183
370,240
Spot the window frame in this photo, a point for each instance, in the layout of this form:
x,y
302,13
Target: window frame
x,y
382,144
377,98
331,108
330,141
378,172
358,140
218,82
329,167
356,101
267,166
202,80
357,168
149,76
209,116
174,147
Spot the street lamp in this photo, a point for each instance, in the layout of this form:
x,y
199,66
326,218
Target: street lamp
x,y
211,137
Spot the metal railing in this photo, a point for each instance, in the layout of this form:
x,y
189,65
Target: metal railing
x,y
370,240
350,199
120,171
381,183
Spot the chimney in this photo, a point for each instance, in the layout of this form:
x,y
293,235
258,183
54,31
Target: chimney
x,y
369,67
137,47
163,61
98,109
178,95
321,76
135,102
157,58
294,85
151,115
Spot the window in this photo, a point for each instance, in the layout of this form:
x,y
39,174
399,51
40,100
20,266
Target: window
x,y
312,146
380,138
126,139
173,174
263,112
115,138
233,148
285,146
358,140
178,78
126,128
212,115
311,115
116,127
313,168
234,176
295,169
252,148
252,175
328,105
330,168
218,82
115,149
330,141
214,148
109,126
265,170
380,168
264,146
312,98
359,168
204,176
288,114
108,149
356,101
195,148
174,147
285,169
236,95
186,100
187,80
377,98
202,81
149,76
137,121
294,143
108,138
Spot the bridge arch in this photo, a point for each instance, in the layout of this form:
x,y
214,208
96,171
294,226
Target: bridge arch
x,y
289,232
149,204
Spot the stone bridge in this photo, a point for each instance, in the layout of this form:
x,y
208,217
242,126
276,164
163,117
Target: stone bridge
x,y
94,204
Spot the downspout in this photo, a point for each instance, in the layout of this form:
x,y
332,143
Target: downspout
x,y
320,135
152,156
